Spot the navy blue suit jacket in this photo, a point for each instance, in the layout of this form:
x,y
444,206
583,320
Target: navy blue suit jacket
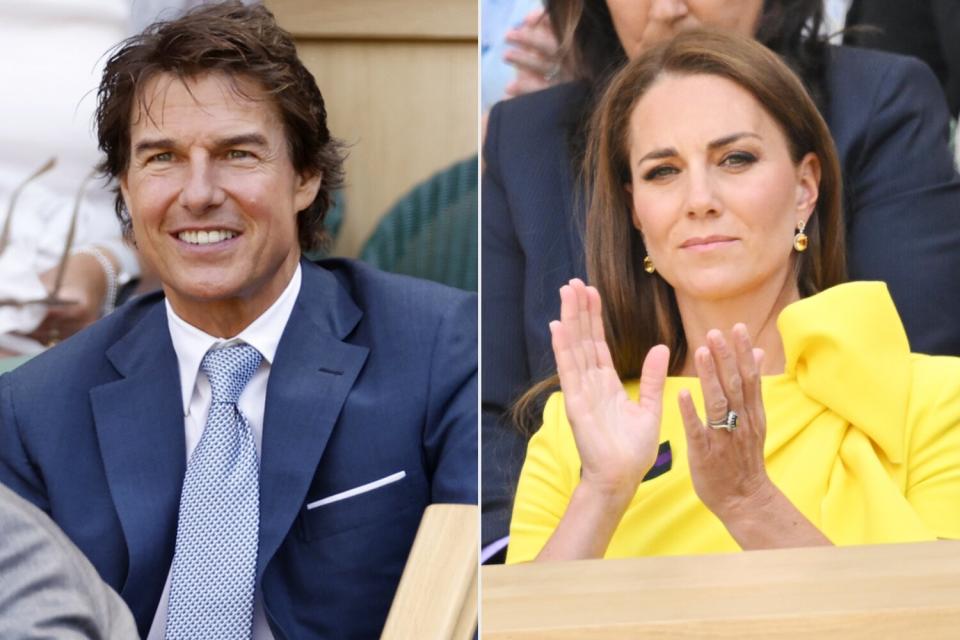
x,y
374,374
902,202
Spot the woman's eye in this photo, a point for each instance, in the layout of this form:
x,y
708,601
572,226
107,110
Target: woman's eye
x,y
166,156
738,159
660,172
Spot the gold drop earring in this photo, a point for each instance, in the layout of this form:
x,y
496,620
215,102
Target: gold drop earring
x,y
648,265
799,238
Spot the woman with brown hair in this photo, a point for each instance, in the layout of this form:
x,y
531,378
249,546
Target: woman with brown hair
x,y
890,126
715,203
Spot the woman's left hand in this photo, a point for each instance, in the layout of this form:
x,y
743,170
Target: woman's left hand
x,y
727,466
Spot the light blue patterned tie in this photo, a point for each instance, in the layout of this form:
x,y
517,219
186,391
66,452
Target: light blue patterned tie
x,y
211,591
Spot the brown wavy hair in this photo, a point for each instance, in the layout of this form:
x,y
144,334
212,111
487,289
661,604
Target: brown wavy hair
x,y
640,310
239,41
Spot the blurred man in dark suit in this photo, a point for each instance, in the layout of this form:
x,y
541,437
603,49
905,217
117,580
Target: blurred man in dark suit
x,y
925,29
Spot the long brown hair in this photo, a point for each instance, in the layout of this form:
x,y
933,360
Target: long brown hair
x,y
640,310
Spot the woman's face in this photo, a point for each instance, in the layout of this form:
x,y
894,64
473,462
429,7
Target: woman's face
x,y
714,190
641,24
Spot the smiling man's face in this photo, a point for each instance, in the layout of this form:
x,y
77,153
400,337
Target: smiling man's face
x,y
214,197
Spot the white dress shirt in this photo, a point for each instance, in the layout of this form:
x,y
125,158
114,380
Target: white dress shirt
x,y
191,344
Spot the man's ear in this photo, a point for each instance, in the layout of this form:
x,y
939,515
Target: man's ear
x,y
307,187
808,186
128,235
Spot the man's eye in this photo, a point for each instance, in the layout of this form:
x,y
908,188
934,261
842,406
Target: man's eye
x,y
738,159
238,154
166,156
660,172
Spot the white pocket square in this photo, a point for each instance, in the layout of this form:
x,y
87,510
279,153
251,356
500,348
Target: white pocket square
x,y
364,488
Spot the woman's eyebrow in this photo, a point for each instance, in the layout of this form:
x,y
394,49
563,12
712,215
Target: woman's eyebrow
x,y
669,152
659,154
733,137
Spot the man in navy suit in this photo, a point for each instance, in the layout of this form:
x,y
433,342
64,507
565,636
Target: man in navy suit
x,y
354,400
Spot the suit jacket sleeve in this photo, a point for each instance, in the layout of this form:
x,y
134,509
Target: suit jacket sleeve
x,y
903,200
49,590
505,370
17,471
450,440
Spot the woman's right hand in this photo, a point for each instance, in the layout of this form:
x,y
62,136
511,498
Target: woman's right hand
x,y
617,438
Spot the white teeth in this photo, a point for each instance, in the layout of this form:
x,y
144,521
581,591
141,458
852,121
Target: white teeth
x,y
205,237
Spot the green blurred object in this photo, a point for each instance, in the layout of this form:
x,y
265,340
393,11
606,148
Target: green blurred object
x,y
9,364
431,232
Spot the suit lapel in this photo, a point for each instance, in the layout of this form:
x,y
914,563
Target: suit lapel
x,y
139,423
312,373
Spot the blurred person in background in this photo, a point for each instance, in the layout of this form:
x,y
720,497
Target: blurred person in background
x,y
49,589
889,122
926,29
53,52
518,50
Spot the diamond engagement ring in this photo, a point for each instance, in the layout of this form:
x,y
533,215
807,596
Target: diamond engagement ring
x,y
729,423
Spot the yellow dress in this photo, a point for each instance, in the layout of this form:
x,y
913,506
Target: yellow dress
x,y
862,436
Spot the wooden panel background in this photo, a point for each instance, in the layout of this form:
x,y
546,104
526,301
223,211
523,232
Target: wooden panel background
x,y
399,78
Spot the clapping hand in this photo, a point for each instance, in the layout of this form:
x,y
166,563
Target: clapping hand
x,y
727,465
616,437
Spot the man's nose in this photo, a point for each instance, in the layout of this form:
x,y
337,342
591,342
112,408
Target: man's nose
x,y
702,197
668,10
200,191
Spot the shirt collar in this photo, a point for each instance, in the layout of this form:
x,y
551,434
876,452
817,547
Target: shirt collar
x,y
263,334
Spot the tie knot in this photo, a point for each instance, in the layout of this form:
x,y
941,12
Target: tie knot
x,y
229,370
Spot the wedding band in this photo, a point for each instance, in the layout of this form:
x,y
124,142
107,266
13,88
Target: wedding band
x,y
552,74
729,423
